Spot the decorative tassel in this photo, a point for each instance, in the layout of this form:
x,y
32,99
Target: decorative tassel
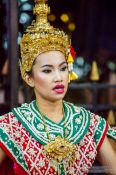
x,y
70,62
72,76
70,59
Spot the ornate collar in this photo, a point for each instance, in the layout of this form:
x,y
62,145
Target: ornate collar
x,y
77,122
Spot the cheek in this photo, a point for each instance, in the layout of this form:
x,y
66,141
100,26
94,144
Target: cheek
x,y
40,81
67,77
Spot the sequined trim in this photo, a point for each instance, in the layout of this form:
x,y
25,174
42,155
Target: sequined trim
x,y
112,132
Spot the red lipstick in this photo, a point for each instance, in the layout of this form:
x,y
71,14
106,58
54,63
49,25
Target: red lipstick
x,y
59,88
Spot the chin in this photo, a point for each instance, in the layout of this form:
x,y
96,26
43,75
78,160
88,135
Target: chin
x,y
59,97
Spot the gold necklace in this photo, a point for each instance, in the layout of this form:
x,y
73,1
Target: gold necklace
x,y
59,150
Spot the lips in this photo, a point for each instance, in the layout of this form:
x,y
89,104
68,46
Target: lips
x,y
59,86
59,89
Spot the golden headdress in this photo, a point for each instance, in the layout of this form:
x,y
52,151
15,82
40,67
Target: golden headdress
x,y
41,37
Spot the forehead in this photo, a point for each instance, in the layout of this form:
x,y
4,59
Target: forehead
x,y
50,57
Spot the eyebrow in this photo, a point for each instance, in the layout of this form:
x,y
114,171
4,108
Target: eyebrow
x,y
48,65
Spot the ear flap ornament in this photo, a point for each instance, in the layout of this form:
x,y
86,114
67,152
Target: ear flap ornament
x,y
70,60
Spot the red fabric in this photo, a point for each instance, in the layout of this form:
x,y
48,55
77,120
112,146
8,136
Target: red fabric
x,y
103,137
18,170
73,53
9,167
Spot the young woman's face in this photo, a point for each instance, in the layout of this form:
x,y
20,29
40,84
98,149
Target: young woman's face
x,y
50,76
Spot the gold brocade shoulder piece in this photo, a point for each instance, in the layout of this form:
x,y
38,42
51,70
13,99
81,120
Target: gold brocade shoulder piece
x,y
40,37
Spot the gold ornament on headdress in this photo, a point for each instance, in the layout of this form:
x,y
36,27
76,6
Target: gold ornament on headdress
x,y
72,74
41,37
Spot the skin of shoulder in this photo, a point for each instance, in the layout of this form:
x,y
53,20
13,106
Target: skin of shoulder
x,y
2,156
107,156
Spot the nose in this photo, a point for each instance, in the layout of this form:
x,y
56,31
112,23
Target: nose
x,y
58,76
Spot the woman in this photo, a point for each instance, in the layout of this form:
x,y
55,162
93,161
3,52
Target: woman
x,y
49,135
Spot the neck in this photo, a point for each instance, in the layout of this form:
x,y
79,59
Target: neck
x,y
52,110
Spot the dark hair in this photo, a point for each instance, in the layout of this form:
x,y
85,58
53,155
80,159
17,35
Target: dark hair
x,y
30,73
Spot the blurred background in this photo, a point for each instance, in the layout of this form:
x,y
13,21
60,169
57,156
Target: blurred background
x,y
92,26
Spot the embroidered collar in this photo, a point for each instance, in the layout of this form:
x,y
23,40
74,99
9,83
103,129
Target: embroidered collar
x,y
77,122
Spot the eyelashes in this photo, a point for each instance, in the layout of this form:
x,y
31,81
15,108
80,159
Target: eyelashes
x,y
47,71
64,68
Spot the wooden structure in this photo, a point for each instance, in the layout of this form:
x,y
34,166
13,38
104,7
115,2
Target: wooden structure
x,y
12,34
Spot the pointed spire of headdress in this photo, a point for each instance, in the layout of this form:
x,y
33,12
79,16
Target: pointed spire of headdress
x,y
41,11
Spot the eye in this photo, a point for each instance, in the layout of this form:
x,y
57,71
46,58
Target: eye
x,y
64,68
47,71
